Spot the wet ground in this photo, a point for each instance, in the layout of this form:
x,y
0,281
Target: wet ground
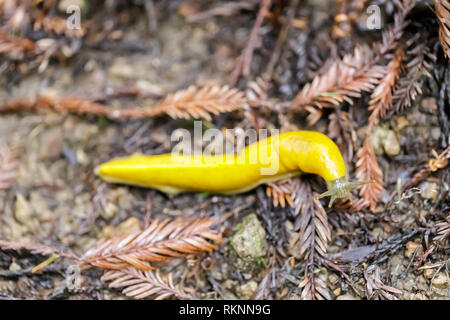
x,y
57,200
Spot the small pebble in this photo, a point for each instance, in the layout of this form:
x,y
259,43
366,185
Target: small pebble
x,y
14,266
129,226
347,296
429,273
246,291
440,281
411,247
250,242
429,190
429,104
402,123
385,140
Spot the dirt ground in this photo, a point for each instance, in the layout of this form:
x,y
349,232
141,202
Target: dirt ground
x,y
57,200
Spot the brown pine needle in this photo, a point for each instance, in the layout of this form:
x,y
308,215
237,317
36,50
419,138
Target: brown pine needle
x,y
408,87
377,290
345,80
162,241
442,8
442,233
367,169
381,98
192,102
314,237
244,61
14,46
35,248
439,161
281,192
141,284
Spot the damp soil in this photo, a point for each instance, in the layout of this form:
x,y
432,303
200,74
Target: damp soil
x,y
57,199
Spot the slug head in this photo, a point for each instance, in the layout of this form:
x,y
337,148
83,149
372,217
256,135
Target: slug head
x,y
341,188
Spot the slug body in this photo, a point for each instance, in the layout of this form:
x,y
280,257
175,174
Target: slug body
x,y
268,160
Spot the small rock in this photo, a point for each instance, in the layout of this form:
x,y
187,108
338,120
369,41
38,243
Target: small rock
x,y
108,232
229,284
402,123
390,144
429,104
347,296
14,267
419,296
429,190
435,133
121,69
337,292
129,226
429,273
25,214
23,210
246,291
188,8
333,279
109,210
378,233
385,139
41,208
249,241
440,281
82,157
411,247
65,4
52,144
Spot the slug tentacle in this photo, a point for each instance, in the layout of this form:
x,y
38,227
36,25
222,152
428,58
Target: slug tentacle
x,y
341,188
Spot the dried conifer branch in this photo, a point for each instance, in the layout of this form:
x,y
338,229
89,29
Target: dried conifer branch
x,y
341,128
63,105
367,169
15,46
314,289
245,59
160,242
393,34
8,166
35,248
141,284
195,102
409,87
345,79
281,192
313,239
439,161
442,233
192,102
377,290
442,8
381,98
58,25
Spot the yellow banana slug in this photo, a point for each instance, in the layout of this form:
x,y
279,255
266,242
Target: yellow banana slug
x,y
268,160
